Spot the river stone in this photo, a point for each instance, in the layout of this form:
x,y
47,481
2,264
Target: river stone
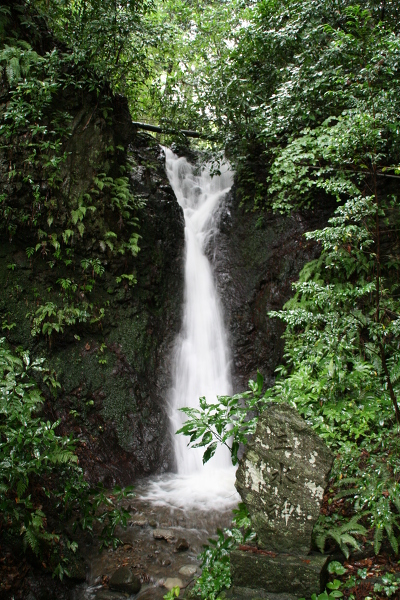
x,y
172,582
188,570
280,573
235,593
139,521
281,479
110,595
182,545
123,580
164,534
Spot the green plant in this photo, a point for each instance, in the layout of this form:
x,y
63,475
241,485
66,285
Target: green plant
x,y
389,586
342,534
225,422
215,558
41,484
174,593
130,279
336,568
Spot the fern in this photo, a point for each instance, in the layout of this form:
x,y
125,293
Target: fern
x,y
343,535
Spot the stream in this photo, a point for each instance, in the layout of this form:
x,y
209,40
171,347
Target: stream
x,y
174,514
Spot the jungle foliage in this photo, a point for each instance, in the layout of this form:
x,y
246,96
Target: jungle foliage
x,y
304,98
42,487
328,120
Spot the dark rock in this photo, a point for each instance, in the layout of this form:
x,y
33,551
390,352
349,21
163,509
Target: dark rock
x,y
120,403
255,263
283,574
282,478
235,593
110,595
153,523
123,580
182,545
165,562
152,593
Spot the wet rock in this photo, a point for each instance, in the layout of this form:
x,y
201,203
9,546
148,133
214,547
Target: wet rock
x,y
123,580
282,478
110,595
280,574
138,520
152,593
153,523
77,568
182,545
255,263
172,582
188,570
235,593
127,547
165,562
164,534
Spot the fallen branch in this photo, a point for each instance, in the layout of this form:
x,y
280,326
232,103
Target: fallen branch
x,y
156,129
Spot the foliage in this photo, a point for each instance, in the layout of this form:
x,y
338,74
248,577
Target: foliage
x,y
338,138
251,76
225,422
215,561
343,534
41,484
174,593
35,133
390,585
110,38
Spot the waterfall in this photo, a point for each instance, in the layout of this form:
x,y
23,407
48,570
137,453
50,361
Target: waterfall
x,y
201,362
202,355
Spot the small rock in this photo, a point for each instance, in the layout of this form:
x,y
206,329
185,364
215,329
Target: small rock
x,y
172,582
109,595
138,521
164,534
153,523
182,545
166,562
123,580
188,570
127,548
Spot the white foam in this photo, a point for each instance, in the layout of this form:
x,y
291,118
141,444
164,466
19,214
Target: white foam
x,y
211,489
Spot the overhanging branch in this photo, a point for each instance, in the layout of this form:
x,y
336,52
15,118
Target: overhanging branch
x,y
156,129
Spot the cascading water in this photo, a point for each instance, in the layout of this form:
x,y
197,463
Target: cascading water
x,y
202,356
202,363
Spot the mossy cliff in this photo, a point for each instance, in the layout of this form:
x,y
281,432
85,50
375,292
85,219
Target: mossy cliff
x,y
108,342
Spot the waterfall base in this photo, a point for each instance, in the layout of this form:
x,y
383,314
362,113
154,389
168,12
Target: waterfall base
x,y
206,489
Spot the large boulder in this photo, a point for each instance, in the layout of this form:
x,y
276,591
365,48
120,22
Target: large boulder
x,y
282,478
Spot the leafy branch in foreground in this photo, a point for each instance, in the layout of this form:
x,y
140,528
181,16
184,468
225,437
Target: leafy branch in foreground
x,y
225,422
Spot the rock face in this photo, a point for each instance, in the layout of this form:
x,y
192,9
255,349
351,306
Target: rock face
x,y
278,574
281,479
256,259
114,374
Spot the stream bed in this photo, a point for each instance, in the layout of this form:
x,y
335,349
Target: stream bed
x,y
162,540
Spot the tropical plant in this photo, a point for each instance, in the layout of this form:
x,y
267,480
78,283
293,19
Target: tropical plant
x,y
342,360
41,483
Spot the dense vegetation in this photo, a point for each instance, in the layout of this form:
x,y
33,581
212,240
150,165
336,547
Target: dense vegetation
x,y
304,98
329,126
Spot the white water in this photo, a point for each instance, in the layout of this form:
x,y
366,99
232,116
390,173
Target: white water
x,y
202,356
